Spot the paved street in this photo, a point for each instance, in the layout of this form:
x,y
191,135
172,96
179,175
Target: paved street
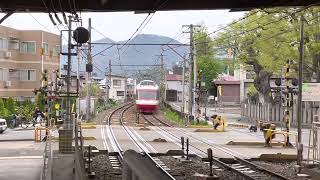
x,y
22,154
17,134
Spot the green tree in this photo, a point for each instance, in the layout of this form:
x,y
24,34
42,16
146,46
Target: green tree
x,y
266,39
40,102
95,90
4,113
210,68
26,109
207,61
11,105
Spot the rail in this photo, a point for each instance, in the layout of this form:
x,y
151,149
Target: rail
x,y
157,168
233,154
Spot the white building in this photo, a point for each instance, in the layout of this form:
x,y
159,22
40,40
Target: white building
x,y
131,87
245,75
174,82
117,87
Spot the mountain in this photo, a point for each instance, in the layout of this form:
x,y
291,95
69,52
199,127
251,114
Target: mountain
x,y
130,54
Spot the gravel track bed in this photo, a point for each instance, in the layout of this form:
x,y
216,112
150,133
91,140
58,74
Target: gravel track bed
x,y
129,117
185,170
99,118
103,169
286,169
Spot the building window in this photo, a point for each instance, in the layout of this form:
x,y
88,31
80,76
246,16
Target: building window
x,y
56,50
27,75
3,43
45,47
120,93
4,74
28,47
116,83
74,82
13,44
14,74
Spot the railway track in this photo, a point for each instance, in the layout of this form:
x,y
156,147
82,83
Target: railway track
x,y
116,118
238,164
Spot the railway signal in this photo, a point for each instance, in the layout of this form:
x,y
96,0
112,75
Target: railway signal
x,y
286,87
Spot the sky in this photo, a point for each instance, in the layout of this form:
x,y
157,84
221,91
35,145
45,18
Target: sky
x,y
121,25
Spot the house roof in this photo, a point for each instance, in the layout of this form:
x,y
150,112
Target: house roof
x,y
225,79
173,77
227,82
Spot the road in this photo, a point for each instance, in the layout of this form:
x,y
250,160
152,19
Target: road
x,y
19,152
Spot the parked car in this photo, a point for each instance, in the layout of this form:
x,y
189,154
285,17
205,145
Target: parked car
x,y
3,125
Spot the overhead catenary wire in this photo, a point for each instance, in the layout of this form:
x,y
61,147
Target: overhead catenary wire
x,y
229,25
40,23
263,25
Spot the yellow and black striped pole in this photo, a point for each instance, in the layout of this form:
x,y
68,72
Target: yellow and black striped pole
x,y
287,117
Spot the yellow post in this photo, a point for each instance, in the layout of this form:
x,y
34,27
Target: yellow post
x,y
223,124
220,90
72,109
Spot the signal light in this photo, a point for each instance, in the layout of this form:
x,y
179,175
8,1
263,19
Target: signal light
x,y
81,35
295,82
278,82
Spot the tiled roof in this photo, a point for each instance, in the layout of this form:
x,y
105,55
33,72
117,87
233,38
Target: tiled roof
x,y
173,77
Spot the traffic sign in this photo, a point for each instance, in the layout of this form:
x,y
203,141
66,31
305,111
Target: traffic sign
x,y
57,106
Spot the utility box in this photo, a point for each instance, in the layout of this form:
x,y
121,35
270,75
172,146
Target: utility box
x,y
65,140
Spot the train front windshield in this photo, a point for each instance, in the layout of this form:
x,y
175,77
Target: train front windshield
x,y
147,95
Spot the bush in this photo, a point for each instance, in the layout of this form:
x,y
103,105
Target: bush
x,y
11,105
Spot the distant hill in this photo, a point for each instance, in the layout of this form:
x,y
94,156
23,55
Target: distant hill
x,y
147,55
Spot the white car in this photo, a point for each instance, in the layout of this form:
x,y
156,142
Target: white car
x,y
3,125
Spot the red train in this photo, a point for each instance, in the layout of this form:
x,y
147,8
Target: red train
x,y
147,96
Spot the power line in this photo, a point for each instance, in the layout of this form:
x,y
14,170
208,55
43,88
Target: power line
x,y
39,22
265,24
139,44
225,27
136,65
144,20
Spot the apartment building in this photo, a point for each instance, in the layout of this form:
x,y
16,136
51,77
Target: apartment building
x,y
24,54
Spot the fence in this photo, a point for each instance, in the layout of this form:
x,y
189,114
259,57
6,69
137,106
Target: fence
x,y
274,112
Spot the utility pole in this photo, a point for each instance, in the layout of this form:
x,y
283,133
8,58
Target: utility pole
x,y
106,95
69,125
88,109
183,84
78,82
193,69
163,84
110,83
299,112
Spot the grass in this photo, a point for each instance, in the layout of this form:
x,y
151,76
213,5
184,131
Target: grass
x,y
172,116
200,124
